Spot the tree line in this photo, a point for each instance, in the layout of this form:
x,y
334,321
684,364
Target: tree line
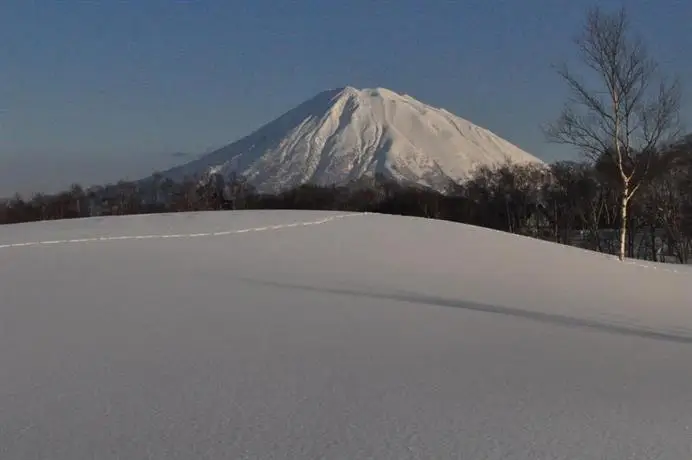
x,y
568,202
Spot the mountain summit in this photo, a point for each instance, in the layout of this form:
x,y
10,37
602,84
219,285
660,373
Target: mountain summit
x,y
347,134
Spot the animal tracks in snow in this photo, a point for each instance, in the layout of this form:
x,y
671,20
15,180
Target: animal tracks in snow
x,y
102,239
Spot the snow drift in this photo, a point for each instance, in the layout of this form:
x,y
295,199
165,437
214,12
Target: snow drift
x,y
284,334
344,135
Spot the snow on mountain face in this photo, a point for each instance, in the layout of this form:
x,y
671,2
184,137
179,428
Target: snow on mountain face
x,y
343,135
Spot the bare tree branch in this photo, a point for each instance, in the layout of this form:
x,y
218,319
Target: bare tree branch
x,y
629,116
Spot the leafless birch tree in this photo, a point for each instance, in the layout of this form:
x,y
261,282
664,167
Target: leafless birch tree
x,y
622,111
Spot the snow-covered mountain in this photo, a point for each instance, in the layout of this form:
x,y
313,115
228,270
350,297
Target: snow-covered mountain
x,y
343,135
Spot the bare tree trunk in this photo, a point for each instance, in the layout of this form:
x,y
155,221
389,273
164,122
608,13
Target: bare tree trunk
x,y
623,121
653,243
623,223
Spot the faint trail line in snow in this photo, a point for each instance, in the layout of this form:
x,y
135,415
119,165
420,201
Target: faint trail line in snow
x,y
179,235
654,267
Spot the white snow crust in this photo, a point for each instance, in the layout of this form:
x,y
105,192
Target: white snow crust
x,y
286,334
346,134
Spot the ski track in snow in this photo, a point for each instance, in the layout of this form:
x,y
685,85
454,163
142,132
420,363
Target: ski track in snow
x,y
179,235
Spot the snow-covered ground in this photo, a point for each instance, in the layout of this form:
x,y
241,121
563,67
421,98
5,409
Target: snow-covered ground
x,y
346,134
284,335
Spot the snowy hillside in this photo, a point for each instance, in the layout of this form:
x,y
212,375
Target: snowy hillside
x,y
342,135
284,335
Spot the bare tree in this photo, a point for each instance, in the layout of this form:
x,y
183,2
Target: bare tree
x,y
628,115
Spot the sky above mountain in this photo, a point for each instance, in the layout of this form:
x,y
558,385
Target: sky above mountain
x,y
110,89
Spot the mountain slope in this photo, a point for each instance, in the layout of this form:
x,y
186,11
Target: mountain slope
x,y
345,134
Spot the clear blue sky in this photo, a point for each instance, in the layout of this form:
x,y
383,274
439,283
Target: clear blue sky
x,y
111,88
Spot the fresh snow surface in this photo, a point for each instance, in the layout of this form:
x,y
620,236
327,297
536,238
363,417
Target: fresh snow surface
x,y
285,335
346,134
